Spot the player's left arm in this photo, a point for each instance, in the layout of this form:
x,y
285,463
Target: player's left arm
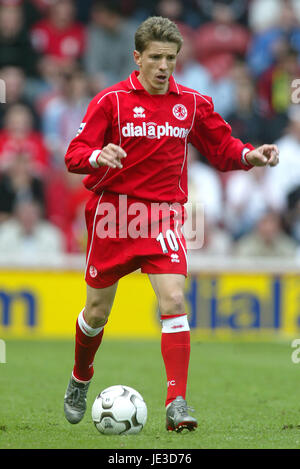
x,y
212,135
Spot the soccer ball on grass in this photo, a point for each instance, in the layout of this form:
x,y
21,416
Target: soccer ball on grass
x,y
119,410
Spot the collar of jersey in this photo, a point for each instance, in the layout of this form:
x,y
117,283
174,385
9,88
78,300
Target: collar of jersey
x,y
135,84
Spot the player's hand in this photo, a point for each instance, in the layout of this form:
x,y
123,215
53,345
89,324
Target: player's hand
x,y
263,156
111,155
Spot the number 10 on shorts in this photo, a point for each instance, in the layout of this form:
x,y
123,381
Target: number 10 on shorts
x,y
171,239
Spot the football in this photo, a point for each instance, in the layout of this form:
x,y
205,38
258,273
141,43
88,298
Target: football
x,y
119,410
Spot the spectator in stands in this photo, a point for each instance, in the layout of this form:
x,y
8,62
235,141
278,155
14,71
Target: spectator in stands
x,y
62,115
189,72
60,34
35,9
182,13
205,209
15,45
241,215
283,25
76,228
83,8
14,79
172,9
109,38
28,238
275,84
287,176
47,86
274,89
18,182
267,239
204,186
265,14
292,214
65,200
61,40
18,137
244,117
16,92
239,9
216,240
218,42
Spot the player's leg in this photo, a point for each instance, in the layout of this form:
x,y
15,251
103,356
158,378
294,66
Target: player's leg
x,y
89,332
89,329
175,338
175,346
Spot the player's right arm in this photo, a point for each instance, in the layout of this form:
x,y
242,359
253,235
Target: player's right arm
x,y
92,148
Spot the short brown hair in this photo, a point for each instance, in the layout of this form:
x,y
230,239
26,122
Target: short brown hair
x,y
157,28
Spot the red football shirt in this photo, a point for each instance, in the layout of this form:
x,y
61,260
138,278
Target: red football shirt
x,y
154,130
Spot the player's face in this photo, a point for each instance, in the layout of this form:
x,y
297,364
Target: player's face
x,y
156,64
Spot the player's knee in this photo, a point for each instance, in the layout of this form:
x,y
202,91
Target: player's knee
x,y
95,315
173,303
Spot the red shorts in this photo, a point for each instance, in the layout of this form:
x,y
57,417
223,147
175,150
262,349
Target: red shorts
x,y
126,234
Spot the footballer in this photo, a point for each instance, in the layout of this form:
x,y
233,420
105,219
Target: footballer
x,y
133,141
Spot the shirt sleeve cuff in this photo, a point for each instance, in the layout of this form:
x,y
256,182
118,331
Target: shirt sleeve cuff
x,y
245,151
93,158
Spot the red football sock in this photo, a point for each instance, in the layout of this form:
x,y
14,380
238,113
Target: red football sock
x,y
86,346
175,349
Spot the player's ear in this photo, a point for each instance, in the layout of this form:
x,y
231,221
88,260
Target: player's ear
x,y
137,57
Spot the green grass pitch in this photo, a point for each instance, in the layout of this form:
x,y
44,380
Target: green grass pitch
x,y
246,395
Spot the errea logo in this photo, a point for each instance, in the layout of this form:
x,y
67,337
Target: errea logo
x,y
175,258
139,111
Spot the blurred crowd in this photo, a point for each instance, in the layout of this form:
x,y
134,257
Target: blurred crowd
x,y
55,55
